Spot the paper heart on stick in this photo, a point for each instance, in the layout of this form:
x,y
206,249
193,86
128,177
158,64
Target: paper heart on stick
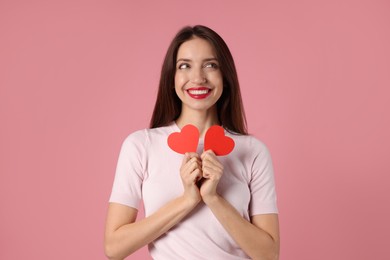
x,y
184,141
187,140
216,141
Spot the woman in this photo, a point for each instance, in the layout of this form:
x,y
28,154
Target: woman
x,y
197,206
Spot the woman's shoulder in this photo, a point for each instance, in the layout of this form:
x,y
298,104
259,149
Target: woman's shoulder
x,y
144,135
248,139
248,143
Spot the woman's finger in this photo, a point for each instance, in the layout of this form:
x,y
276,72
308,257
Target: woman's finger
x,y
210,160
191,167
196,175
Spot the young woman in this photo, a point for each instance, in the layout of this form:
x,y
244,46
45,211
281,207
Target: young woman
x,y
197,205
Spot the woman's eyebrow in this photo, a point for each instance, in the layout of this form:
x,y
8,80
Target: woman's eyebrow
x,y
211,59
188,60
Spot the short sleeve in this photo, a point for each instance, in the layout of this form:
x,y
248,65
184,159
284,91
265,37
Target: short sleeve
x,y
262,184
129,175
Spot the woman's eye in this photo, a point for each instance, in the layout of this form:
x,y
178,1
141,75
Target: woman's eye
x,y
184,66
211,65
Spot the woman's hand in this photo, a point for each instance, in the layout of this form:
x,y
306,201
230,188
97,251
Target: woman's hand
x,y
212,171
191,173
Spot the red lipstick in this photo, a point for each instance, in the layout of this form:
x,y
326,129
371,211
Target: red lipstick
x,y
199,92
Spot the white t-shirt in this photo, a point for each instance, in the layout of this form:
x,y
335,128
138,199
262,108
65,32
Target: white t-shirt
x,y
149,170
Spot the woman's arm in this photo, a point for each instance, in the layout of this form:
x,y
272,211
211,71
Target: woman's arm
x,y
124,236
258,238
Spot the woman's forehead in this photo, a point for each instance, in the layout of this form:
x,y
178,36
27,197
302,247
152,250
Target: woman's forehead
x,y
196,48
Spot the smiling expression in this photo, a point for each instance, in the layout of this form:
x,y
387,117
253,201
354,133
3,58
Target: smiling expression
x,y
198,79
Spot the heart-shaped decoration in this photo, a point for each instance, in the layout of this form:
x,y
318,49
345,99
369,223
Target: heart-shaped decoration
x,y
216,140
184,141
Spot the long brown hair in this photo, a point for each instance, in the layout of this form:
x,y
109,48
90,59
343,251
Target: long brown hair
x,y
229,106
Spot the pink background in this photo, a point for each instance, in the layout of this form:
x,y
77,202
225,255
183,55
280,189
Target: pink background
x,y
77,78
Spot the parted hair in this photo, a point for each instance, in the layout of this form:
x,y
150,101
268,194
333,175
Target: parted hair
x,y
230,109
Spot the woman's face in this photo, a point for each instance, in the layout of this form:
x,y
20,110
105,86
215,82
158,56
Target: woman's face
x,y
198,79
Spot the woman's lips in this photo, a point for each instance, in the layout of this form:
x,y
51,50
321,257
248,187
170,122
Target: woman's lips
x,y
199,93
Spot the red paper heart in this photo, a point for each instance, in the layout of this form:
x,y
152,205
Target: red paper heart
x,y
184,141
216,140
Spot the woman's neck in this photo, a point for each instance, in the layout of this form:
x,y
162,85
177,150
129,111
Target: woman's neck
x,y
201,119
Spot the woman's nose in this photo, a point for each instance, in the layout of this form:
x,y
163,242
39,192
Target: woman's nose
x,y
198,76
